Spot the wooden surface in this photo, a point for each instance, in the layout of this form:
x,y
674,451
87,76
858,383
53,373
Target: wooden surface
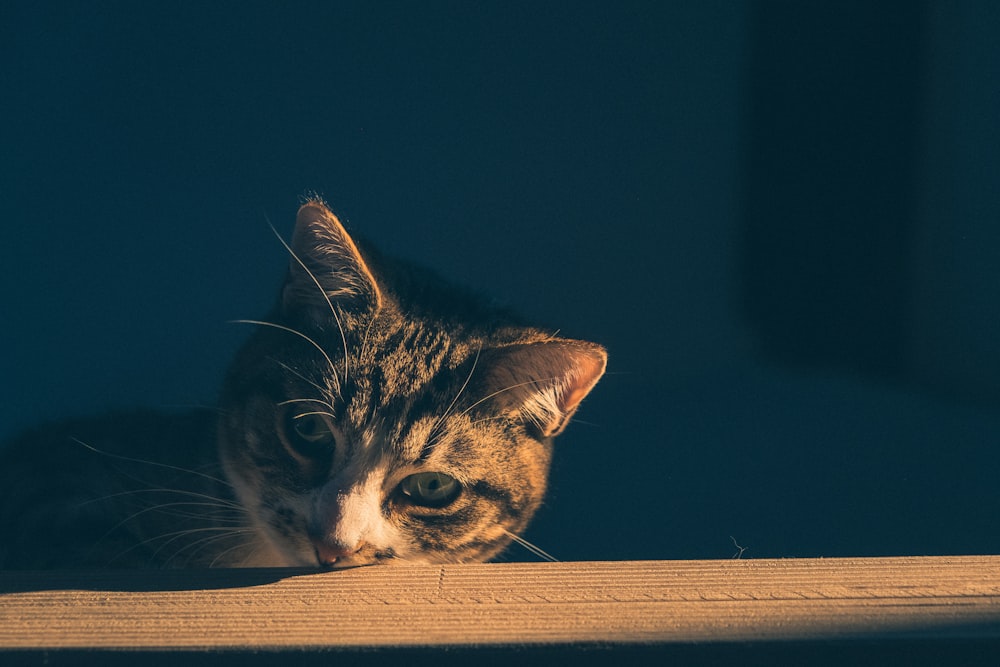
x,y
621,603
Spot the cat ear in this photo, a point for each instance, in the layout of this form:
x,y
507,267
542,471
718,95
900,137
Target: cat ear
x,y
544,382
326,264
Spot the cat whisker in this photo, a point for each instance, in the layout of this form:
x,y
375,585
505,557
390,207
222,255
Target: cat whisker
x,y
199,545
248,558
217,502
306,400
165,508
170,538
432,439
220,533
222,554
506,389
301,335
486,420
120,457
192,547
322,390
444,415
331,413
219,513
160,506
326,297
538,551
316,412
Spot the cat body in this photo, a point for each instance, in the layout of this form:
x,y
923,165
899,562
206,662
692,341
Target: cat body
x,y
377,415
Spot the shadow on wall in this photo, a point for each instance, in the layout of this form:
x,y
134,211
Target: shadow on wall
x,y
871,224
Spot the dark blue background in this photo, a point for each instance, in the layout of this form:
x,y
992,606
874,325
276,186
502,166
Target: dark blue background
x,y
782,219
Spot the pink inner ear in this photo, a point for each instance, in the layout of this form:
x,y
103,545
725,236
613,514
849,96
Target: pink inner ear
x,y
588,370
544,382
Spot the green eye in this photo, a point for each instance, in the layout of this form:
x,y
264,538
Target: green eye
x,y
430,489
310,434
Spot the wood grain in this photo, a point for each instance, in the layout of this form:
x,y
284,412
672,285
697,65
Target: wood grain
x,y
634,602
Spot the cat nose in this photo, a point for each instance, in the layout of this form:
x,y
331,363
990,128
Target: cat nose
x,y
329,552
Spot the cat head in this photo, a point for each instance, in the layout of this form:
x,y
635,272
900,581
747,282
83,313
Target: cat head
x,y
381,414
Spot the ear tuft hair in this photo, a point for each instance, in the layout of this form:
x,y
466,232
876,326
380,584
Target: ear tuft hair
x,y
326,265
544,382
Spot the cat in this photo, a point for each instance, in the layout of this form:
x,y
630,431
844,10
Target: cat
x,y
378,415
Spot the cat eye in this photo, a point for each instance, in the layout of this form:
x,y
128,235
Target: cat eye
x,y
309,434
430,489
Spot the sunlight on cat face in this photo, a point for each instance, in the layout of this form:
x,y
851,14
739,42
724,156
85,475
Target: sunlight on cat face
x,y
350,483
373,419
